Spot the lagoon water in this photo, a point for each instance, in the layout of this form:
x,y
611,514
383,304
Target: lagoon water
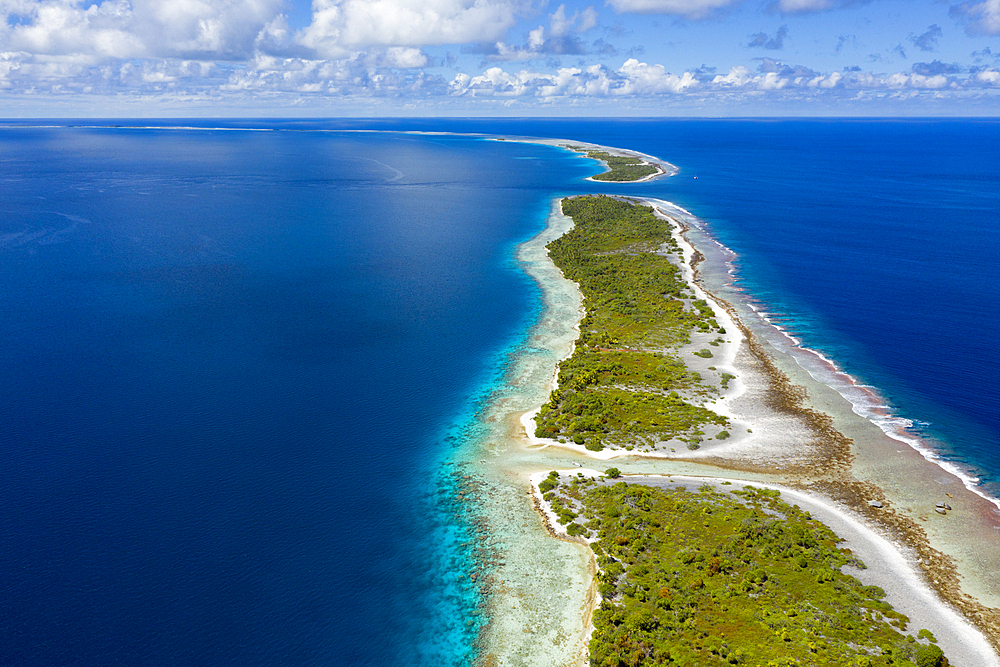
x,y
239,367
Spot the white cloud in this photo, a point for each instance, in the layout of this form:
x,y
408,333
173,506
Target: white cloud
x,y
738,77
141,28
830,81
379,72
902,80
536,38
981,18
989,77
204,26
560,40
642,79
65,28
561,25
771,81
692,9
632,79
339,26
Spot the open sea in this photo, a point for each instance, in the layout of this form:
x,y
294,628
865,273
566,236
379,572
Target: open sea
x,y
239,360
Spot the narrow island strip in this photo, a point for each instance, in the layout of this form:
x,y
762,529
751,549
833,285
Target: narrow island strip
x,y
650,376
621,165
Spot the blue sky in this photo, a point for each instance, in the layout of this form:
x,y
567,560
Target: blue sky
x,y
499,57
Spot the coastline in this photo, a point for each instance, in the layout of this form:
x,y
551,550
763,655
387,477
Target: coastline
x,y
959,553
773,453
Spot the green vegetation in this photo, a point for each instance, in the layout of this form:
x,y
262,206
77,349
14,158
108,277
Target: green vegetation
x,y
622,168
736,577
623,386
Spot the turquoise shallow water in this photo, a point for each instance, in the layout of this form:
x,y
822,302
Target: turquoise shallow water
x,y
238,365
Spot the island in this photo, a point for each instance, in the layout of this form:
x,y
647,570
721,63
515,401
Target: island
x,y
696,570
853,555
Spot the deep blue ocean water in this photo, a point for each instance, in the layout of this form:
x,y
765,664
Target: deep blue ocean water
x,y
233,363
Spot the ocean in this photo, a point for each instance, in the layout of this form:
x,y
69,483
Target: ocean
x,y
243,362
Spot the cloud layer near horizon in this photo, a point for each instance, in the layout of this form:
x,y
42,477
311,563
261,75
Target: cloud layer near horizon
x,y
407,49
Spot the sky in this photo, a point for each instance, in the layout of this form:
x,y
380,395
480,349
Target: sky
x,y
706,58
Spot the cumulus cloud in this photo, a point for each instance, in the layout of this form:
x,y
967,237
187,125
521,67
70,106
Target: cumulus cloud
x,y
638,79
633,78
737,77
981,18
238,30
365,73
24,72
829,81
692,9
927,41
340,26
560,39
141,28
901,80
989,77
641,78
761,40
769,65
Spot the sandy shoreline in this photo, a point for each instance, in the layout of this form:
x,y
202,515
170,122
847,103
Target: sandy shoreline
x,y
804,434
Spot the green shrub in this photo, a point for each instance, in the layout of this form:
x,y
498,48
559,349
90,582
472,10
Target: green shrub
x,y
547,485
930,656
613,473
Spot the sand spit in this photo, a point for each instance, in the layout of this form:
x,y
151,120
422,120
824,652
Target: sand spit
x,y
801,435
